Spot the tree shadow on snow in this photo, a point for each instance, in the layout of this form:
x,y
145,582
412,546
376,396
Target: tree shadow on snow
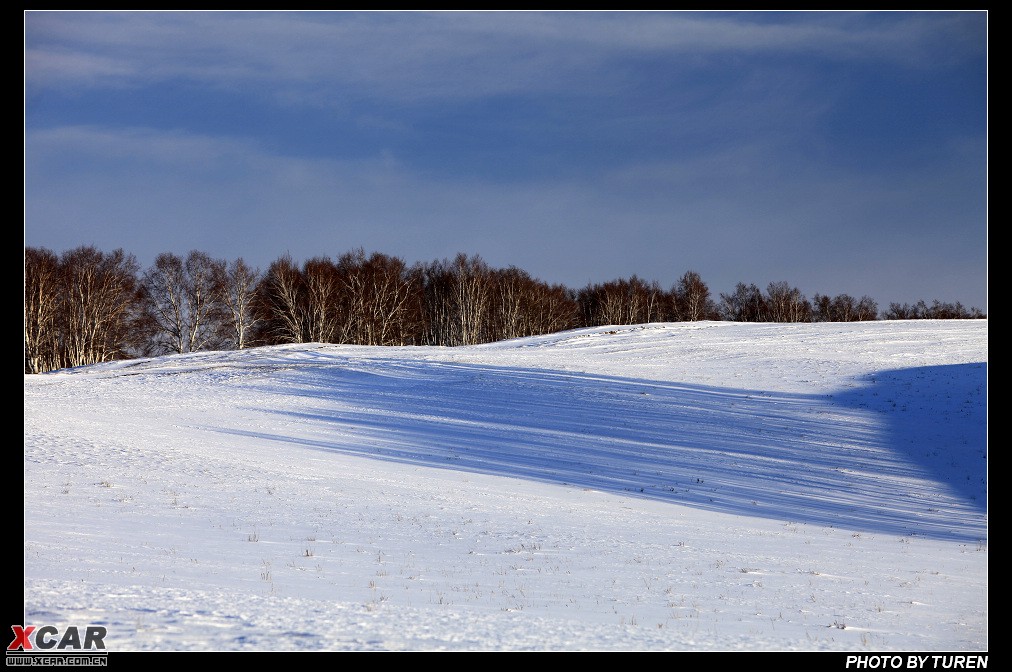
x,y
902,452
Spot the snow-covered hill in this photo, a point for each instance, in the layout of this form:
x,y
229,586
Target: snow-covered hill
x,y
691,486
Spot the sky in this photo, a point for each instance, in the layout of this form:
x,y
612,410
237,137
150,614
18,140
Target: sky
x,y
842,152
704,486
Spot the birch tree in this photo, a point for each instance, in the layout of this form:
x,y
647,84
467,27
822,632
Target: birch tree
x,y
183,301
238,295
42,305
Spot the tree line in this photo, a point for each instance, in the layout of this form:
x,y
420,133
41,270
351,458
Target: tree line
x,y
86,306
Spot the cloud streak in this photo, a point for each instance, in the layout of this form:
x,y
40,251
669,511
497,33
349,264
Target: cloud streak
x,y
409,56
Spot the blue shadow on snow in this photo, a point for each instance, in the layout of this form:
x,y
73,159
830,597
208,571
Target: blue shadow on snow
x,y
901,452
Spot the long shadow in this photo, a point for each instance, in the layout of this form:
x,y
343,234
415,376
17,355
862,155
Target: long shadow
x,y
937,419
850,459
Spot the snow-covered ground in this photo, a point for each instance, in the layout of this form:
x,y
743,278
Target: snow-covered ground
x,y
691,486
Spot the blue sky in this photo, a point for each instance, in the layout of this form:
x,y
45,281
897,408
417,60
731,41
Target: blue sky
x,y
842,152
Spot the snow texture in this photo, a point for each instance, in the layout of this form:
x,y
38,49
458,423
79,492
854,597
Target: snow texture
x,y
666,487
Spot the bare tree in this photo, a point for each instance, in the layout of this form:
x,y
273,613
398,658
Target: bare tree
x,y
205,280
238,294
843,308
98,307
650,301
164,294
321,284
745,304
281,305
470,297
511,289
554,308
351,317
393,293
867,309
822,308
458,297
182,299
42,305
621,301
787,304
378,300
692,299
938,310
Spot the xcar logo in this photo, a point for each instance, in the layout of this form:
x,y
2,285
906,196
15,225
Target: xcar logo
x,y
48,637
